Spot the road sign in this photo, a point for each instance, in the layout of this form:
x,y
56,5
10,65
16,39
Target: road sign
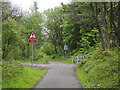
x,y
65,47
32,38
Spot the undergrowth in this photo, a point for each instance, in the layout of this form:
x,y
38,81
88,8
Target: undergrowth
x,y
15,75
62,59
99,70
40,61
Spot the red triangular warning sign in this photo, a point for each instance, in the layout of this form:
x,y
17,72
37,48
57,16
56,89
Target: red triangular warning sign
x,y
32,35
32,38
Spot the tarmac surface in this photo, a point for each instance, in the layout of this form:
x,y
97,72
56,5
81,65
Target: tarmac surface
x,y
59,75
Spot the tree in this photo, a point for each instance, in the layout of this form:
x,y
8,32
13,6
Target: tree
x,y
104,14
9,11
16,31
34,22
54,18
78,26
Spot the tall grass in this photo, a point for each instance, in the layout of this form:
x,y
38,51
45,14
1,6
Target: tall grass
x,y
62,59
0,74
99,70
17,76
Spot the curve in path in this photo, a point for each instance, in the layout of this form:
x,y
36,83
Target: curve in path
x,y
59,75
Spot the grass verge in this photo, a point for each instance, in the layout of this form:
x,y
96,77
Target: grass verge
x,y
62,59
99,70
17,76
0,75
38,61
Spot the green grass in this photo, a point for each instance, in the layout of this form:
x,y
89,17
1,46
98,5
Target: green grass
x,y
0,75
39,61
17,76
42,61
99,70
62,59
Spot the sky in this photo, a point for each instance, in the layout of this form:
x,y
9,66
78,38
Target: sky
x,y
42,4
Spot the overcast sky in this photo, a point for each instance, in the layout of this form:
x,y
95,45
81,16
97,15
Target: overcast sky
x,y
42,4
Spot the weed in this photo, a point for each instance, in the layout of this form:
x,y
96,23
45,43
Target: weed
x,y
17,76
99,70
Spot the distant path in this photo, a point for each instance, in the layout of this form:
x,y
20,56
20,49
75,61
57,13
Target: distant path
x,y
59,75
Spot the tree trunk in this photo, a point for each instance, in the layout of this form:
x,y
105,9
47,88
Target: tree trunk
x,y
111,14
100,22
112,23
55,47
106,30
118,30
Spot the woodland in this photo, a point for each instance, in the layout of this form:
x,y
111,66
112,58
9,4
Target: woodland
x,y
90,29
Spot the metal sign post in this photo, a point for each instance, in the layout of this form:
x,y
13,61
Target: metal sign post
x,y
65,48
32,39
65,53
32,52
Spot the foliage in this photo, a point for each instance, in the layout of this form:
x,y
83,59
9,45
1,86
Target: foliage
x,y
0,74
99,70
83,26
53,20
16,76
63,59
10,39
48,48
15,34
16,29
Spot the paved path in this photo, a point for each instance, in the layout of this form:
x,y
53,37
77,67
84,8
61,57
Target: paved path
x,y
59,75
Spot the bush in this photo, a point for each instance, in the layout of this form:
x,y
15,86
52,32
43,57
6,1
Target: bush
x,y
39,54
100,70
17,76
48,49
